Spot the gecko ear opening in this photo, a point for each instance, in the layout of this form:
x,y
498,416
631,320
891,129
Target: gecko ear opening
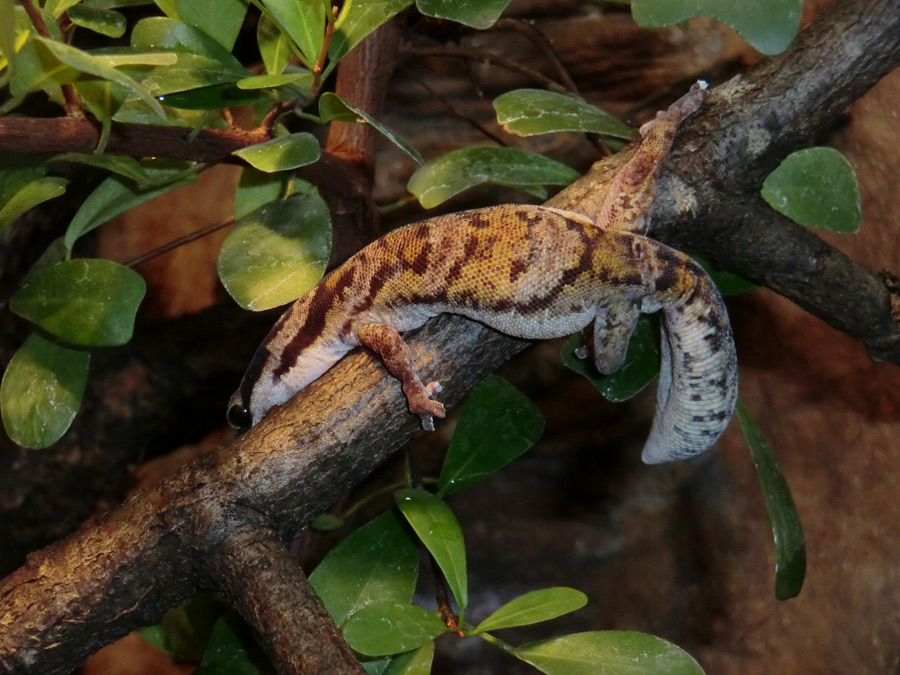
x,y
239,417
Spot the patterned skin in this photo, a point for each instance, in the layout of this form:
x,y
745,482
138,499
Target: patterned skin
x,y
531,272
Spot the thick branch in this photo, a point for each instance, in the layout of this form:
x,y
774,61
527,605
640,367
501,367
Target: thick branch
x,y
271,592
131,565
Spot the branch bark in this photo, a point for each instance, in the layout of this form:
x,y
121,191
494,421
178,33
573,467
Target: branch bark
x,y
129,566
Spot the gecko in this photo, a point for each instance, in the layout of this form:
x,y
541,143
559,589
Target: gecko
x,y
532,272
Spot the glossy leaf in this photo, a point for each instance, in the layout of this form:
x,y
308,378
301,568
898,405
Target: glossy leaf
x,y
86,302
219,19
377,562
41,391
274,46
437,528
527,112
331,106
304,21
271,81
416,662
608,653
498,423
161,33
768,25
86,63
448,175
116,195
277,253
232,650
282,153
790,544
816,187
386,628
640,367
356,21
103,21
8,31
257,188
534,607
127,167
478,15
34,193
213,97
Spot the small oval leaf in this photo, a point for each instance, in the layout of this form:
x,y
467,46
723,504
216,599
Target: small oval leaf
x,y
277,252
534,607
640,367
478,15
257,188
103,21
790,544
41,391
437,528
36,192
86,302
377,562
527,112
816,187
768,25
281,154
439,179
387,628
497,424
608,653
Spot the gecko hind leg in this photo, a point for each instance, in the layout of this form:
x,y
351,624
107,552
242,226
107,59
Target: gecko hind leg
x,y
395,354
613,326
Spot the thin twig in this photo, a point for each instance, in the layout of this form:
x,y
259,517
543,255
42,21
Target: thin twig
x,y
73,105
180,241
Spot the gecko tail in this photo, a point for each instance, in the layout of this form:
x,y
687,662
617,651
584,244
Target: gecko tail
x,y
698,376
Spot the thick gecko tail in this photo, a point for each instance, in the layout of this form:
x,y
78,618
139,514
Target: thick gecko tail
x,y
698,376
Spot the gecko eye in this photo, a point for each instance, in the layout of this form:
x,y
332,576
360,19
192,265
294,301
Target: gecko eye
x,y
239,417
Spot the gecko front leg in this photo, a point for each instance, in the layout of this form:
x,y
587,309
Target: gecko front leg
x,y
395,354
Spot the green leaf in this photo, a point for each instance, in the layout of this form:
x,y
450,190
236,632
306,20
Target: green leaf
x,y
257,188
608,653
116,195
356,21
96,66
768,25
448,175
438,529
128,167
86,302
184,631
34,193
332,106
271,81
498,423
161,33
790,545
534,607
304,21
282,153
103,21
232,650
214,97
527,112
41,391
640,367
816,187
478,15
385,628
220,19
274,46
377,562
277,253
8,31
416,662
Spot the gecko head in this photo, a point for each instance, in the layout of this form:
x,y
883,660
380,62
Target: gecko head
x,y
238,415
